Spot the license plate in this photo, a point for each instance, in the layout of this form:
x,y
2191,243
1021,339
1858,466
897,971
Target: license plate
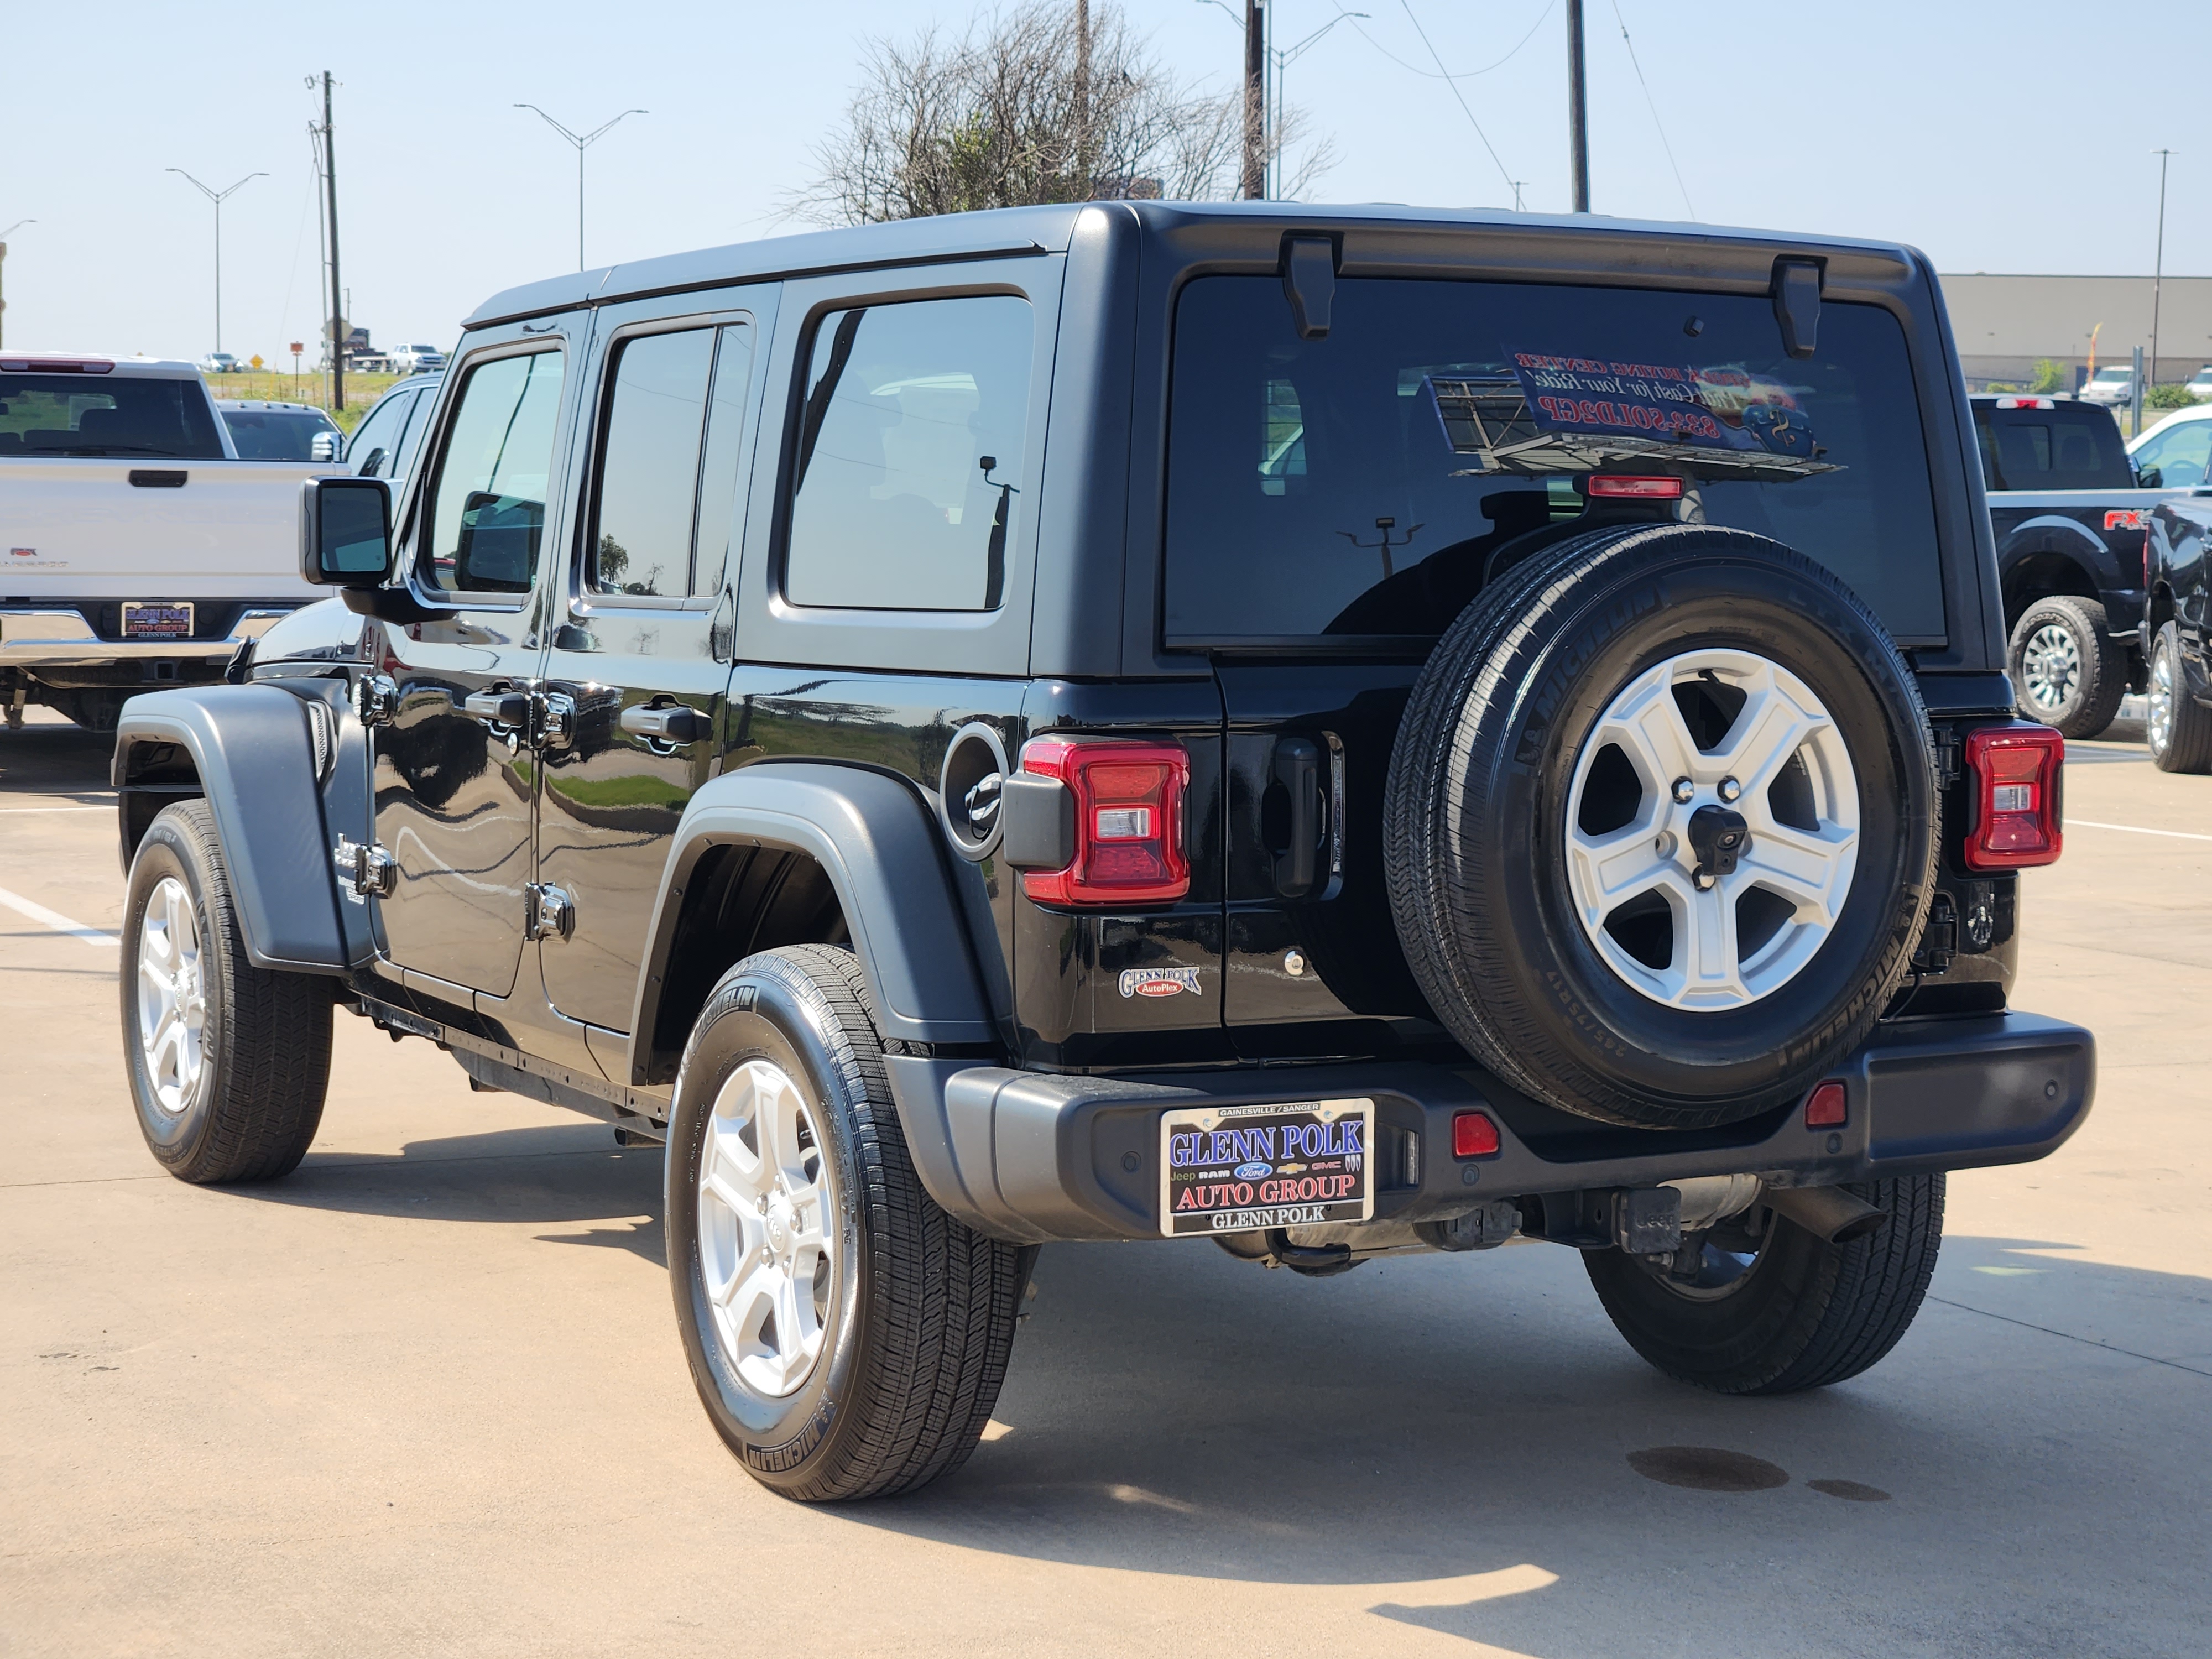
x,y
1235,1169
157,622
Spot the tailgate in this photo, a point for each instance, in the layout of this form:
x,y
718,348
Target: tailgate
x,y
80,528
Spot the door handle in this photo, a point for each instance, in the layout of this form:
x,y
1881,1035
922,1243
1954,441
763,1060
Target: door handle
x,y
671,723
499,708
1297,768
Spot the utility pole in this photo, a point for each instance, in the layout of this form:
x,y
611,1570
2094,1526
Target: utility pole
x,y
1083,152
1253,185
10,230
582,143
1577,112
330,206
2158,271
218,196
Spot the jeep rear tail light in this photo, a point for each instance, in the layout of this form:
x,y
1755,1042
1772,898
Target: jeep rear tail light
x,y
1128,811
1601,486
2012,774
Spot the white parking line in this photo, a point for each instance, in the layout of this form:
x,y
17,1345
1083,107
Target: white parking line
x,y
2134,830
55,920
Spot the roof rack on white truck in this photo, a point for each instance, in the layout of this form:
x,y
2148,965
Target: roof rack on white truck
x,y
136,549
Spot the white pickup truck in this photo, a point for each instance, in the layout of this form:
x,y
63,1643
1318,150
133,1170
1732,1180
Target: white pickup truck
x,y
136,549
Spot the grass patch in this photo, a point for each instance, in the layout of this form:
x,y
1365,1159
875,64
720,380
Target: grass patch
x,y
361,391
637,790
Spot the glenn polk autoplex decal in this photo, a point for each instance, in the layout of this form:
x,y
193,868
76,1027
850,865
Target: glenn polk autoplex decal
x,y
1159,981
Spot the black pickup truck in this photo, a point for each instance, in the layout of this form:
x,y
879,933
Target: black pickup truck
x,y
2175,624
1330,731
2069,516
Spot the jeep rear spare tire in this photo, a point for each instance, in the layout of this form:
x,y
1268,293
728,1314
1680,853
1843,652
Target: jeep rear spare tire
x,y
1661,825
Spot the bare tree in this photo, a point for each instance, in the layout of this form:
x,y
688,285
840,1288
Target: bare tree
x,y
1043,102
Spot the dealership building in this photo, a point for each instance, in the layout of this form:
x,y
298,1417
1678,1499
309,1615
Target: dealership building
x,y
2004,324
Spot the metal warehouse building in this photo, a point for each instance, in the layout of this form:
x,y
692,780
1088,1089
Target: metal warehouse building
x,y
2003,324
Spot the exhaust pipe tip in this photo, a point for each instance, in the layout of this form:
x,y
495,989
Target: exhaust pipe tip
x,y
1829,1214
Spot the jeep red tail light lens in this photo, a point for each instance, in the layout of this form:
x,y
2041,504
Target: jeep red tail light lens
x,y
2013,780
1128,821
1473,1135
1620,486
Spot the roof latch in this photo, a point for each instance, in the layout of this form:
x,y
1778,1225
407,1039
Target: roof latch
x,y
1797,304
1309,279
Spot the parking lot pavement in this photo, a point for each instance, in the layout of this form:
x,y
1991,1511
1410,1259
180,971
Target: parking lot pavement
x,y
426,1395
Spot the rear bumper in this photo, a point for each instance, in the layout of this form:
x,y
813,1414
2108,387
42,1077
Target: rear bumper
x,y
1038,1157
55,637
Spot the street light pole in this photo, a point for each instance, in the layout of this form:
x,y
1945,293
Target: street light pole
x,y
4,235
218,196
2158,271
1577,110
582,143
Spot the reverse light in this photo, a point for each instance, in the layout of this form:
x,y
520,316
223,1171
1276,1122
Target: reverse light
x,y
1473,1135
2013,820
1128,801
1616,486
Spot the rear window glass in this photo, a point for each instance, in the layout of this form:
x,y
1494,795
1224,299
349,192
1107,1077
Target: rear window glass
x,y
1366,483
2072,447
89,415
274,434
908,475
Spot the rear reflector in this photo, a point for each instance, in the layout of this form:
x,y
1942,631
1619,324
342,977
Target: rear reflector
x,y
1473,1135
1826,1107
1128,821
2013,820
1618,486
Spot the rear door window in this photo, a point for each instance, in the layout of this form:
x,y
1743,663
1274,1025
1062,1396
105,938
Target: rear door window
x,y
1364,484
907,479
487,515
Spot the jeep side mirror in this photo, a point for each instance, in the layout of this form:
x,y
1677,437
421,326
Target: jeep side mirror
x,y
323,446
345,532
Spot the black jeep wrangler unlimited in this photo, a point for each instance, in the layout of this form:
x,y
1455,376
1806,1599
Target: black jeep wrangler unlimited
x,y
1329,730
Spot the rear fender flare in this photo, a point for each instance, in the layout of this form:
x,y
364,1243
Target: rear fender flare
x,y
249,744
883,854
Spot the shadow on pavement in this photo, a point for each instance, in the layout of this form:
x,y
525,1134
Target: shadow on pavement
x,y
551,1174
49,756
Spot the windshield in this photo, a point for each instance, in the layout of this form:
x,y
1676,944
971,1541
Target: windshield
x,y
1368,482
84,415
275,435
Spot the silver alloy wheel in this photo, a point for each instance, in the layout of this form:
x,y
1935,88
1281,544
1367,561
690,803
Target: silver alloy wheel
x,y
172,997
2050,666
2160,725
1780,762
766,1207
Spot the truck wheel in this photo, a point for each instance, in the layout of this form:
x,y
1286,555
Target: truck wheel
x,y
1781,1310
846,1336
228,1062
2179,729
2066,672
1660,827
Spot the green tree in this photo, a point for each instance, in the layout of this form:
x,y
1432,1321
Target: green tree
x,y
2164,397
2050,375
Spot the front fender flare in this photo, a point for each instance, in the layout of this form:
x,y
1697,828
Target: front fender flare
x,y
249,745
884,854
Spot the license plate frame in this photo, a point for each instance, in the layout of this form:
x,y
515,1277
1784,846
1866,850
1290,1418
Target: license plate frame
x,y
157,619
1260,1176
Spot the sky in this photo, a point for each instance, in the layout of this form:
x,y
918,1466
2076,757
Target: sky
x,y
1997,135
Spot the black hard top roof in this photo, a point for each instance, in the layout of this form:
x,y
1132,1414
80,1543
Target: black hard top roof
x,y
1037,230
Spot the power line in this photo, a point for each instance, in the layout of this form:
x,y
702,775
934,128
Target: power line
x,y
1654,106
1455,93
1441,73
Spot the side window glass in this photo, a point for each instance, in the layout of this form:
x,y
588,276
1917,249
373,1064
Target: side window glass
x,y
369,452
418,423
649,463
488,514
722,472
907,481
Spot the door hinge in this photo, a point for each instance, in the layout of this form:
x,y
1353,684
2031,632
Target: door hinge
x,y
375,699
556,719
548,912
366,871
